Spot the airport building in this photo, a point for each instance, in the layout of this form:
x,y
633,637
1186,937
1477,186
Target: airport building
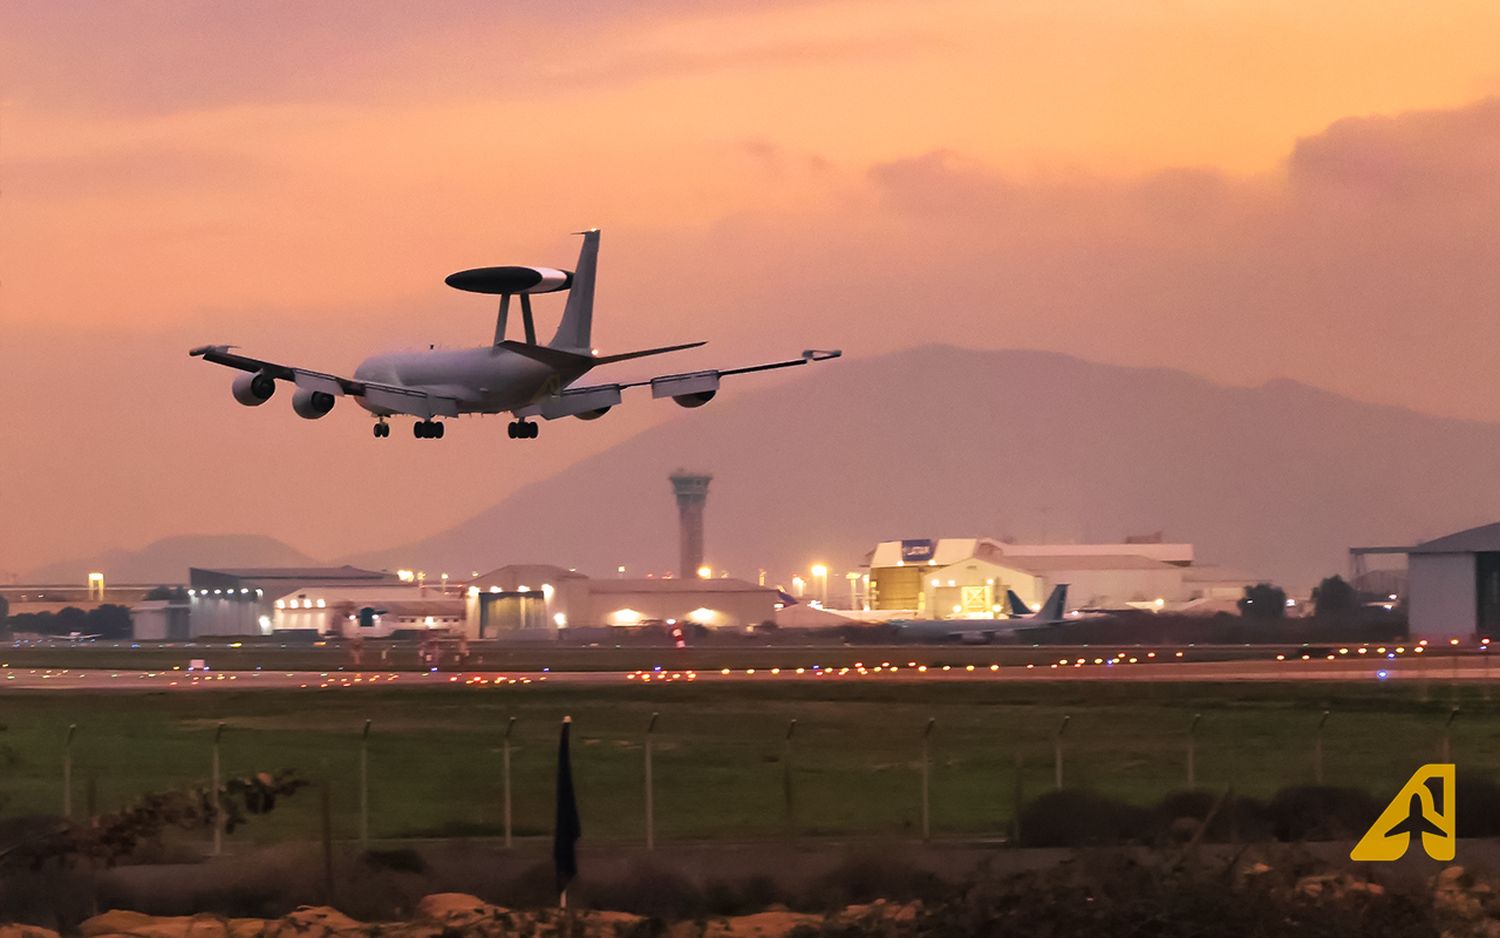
x,y
1454,584
241,601
968,578
538,600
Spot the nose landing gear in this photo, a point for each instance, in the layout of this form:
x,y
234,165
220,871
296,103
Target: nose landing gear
x,y
522,430
382,430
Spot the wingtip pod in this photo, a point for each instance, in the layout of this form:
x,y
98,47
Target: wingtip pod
x,y
821,354
201,350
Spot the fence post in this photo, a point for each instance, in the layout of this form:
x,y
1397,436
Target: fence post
x,y
364,787
1484,658
787,795
67,780
505,771
1017,802
1057,752
1318,747
926,784
1192,752
327,824
1447,736
215,795
650,785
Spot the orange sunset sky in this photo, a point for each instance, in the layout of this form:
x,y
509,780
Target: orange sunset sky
x,y
1244,190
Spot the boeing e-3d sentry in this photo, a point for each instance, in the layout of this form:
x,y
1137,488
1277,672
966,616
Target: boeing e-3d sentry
x,y
523,378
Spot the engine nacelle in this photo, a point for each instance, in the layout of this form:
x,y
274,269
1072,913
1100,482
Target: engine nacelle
x,y
254,390
694,400
592,414
311,404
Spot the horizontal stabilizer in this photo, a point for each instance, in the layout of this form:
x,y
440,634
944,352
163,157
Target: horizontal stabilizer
x,y
626,356
556,358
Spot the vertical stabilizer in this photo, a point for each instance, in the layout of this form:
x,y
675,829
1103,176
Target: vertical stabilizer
x,y
574,333
1018,606
1052,610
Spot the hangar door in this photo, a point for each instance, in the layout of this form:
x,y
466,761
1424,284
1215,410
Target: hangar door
x,y
511,612
897,587
1487,578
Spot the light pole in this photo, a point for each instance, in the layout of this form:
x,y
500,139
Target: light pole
x,y
820,578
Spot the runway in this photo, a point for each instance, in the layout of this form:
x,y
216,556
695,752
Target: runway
x,y
1468,668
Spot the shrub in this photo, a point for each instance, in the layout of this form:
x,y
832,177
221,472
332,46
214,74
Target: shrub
x,y
866,877
1321,812
1477,806
1078,818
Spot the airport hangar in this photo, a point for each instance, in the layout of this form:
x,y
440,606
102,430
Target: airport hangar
x,y
534,601
967,578
1453,583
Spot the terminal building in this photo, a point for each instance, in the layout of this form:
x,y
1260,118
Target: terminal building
x,y
968,578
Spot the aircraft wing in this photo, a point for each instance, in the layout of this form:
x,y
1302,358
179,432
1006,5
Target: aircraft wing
x,y
688,388
393,397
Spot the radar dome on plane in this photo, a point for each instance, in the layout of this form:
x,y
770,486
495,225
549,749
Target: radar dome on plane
x,y
507,280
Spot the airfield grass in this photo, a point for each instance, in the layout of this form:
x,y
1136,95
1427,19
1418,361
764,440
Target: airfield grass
x,y
435,754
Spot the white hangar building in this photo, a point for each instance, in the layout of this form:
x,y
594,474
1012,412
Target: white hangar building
x,y
968,577
538,600
1454,585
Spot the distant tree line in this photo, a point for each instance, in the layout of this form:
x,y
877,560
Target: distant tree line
x,y
107,621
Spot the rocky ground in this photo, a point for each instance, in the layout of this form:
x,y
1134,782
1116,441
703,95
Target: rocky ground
x,y
1249,896
448,914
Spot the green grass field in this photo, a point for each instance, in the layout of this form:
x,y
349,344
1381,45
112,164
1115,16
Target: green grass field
x,y
435,754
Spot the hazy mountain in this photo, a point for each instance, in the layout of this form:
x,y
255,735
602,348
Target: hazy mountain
x,y
940,441
167,560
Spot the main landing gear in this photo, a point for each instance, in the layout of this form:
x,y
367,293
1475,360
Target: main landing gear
x,y
427,430
522,430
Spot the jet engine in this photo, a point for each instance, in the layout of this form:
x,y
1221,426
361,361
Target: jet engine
x,y
311,404
254,390
697,399
592,414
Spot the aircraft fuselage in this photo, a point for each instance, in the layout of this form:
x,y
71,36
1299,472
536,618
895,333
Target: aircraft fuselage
x,y
485,380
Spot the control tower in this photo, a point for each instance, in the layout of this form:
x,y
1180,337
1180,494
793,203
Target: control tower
x,y
691,489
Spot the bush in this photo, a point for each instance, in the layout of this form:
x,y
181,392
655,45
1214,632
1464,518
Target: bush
x,y
1321,812
870,876
1238,819
1078,818
1477,806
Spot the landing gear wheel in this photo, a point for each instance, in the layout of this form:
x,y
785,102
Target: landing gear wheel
x,y
437,430
522,430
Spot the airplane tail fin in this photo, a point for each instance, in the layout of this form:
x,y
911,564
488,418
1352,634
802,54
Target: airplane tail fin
x,y
575,331
1055,605
1017,607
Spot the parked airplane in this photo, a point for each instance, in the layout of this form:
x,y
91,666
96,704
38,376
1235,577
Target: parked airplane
x,y
523,378
1052,612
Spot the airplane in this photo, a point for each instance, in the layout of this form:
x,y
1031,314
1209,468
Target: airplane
x,y
978,631
1416,822
524,378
